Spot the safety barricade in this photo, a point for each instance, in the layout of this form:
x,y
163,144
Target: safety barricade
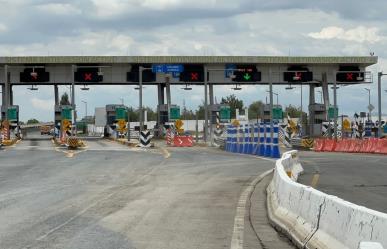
x,y
319,145
382,146
370,145
340,145
329,145
183,141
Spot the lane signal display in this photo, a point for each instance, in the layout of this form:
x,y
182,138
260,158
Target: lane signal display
x,y
350,77
34,75
88,75
298,76
134,74
192,73
246,73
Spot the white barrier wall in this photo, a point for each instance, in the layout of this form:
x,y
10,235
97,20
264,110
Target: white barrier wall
x,y
316,220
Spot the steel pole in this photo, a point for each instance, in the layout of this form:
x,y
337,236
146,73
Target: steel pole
x,y
141,69
6,95
380,103
73,99
369,103
205,104
302,114
271,105
335,106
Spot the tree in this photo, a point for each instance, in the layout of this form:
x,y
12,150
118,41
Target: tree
x,y
255,109
234,103
64,100
200,112
152,115
295,112
33,121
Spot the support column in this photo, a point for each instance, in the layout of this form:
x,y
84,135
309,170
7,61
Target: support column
x,y
312,101
168,90
325,90
161,101
2,101
10,95
56,94
6,90
211,93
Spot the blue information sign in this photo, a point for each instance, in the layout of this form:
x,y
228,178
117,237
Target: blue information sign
x,y
229,70
167,68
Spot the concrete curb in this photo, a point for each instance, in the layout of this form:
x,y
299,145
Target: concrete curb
x,y
315,220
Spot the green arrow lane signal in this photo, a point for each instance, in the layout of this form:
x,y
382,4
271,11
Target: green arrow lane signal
x,y
247,76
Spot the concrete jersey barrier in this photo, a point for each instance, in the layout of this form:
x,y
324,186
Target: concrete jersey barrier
x,y
314,219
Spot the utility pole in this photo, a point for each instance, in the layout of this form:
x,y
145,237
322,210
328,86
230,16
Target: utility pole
x,y
205,104
335,105
73,99
141,69
369,103
380,74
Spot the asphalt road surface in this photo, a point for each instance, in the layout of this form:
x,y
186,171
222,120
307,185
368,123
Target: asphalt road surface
x,y
109,196
358,178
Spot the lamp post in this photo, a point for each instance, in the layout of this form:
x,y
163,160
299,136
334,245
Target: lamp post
x,y
380,74
85,102
276,94
369,103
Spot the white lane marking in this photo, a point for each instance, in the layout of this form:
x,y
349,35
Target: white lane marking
x,y
149,173
239,220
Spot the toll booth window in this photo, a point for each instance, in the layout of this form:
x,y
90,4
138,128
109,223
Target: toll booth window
x,y
147,75
88,75
34,75
192,73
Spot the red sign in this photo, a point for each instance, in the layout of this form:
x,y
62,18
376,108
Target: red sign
x,y
183,141
87,77
194,76
350,76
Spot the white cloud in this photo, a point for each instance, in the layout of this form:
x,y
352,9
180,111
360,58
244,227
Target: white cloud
x,y
43,104
3,27
59,8
359,34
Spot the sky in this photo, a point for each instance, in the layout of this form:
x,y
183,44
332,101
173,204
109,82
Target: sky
x,y
192,27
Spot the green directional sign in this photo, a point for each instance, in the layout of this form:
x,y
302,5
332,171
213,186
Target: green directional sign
x,y
277,113
121,113
12,114
225,114
174,113
332,112
66,113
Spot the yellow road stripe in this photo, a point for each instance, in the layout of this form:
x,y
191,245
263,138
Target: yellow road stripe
x,y
315,180
165,152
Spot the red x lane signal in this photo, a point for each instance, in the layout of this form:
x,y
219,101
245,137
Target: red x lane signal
x,y
194,76
34,76
349,76
87,76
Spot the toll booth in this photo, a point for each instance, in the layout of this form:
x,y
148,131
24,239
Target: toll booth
x,y
168,116
57,118
220,112
277,113
12,115
319,112
114,113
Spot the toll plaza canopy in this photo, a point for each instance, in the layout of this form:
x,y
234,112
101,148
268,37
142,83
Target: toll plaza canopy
x,y
124,70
